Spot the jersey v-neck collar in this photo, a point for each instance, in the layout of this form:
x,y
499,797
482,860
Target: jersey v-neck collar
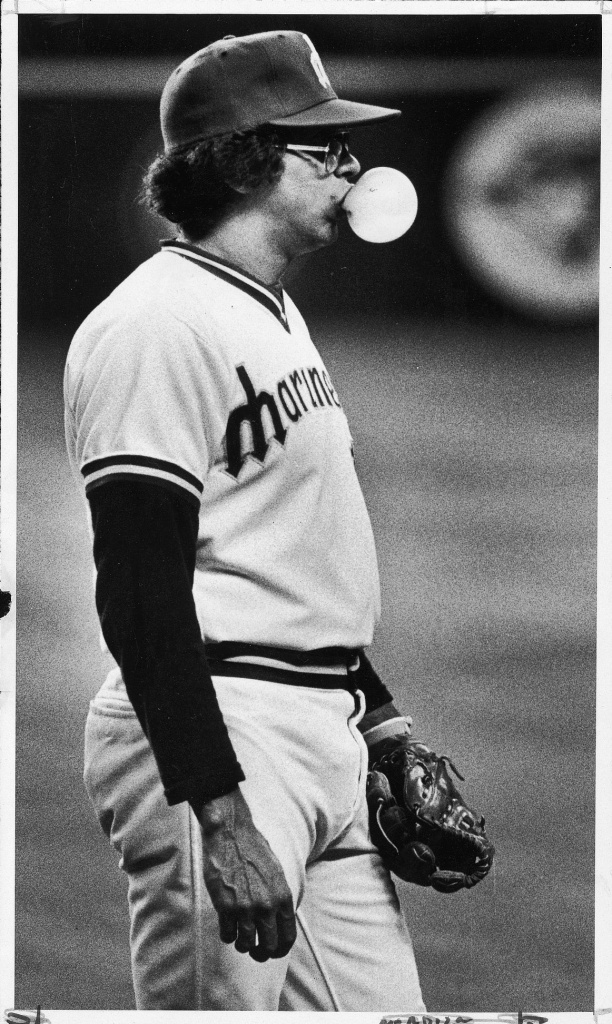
x,y
271,298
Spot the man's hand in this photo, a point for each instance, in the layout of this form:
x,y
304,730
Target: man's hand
x,y
245,880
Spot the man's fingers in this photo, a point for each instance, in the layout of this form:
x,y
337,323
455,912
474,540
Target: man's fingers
x,y
268,937
264,935
227,926
247,934
258,935
286,929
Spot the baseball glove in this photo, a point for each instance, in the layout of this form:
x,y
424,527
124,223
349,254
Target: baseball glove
x,y
419,821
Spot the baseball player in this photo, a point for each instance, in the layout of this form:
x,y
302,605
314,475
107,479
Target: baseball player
x,y
237,586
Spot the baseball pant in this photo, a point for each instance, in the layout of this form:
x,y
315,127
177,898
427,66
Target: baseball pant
x,y
305,764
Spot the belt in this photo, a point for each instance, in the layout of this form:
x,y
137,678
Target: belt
x,y
219,655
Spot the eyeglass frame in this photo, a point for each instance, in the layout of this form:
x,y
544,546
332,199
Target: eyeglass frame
x,y
342,137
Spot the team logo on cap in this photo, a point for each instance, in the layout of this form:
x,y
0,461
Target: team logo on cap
x,y
315,60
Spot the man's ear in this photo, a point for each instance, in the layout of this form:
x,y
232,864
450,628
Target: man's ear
x,y
250,190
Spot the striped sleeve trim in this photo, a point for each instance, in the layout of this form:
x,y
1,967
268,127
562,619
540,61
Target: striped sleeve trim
x,y
167,485
101,470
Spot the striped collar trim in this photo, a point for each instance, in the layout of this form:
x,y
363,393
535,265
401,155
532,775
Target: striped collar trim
x,y
272,300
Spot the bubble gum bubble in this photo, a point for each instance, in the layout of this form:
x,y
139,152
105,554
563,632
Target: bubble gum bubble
x,y
382,205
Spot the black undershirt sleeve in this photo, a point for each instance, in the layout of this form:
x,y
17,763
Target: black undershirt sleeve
x,y
366,679
144,550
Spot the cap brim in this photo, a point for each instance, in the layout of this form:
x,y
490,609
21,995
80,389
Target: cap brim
x,y
336,112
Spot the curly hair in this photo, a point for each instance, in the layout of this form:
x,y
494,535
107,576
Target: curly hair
x,y
196,187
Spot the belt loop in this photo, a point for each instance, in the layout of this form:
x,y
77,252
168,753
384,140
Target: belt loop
x,y
360,705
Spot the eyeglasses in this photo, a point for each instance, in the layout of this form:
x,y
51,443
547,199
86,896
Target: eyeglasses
x,y
335,151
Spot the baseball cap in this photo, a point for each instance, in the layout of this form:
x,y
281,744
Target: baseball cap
x,y
242,82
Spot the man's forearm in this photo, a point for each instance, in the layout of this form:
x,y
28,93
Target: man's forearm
x,y
366,679
144,548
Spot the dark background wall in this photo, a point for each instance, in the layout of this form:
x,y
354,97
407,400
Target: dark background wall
x,y
89,141
475,429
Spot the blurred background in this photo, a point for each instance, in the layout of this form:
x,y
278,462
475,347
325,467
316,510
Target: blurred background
x,y
465,354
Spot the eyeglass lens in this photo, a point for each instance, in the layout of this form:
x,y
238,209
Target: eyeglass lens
x,y
338,148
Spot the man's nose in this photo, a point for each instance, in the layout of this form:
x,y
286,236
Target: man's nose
x,y
348,167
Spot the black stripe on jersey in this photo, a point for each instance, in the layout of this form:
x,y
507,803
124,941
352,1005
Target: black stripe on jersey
x,y
270,298
141,460
158,481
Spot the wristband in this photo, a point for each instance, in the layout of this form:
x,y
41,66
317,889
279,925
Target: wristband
x,y
400,726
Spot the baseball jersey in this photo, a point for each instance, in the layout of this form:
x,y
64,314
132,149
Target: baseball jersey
x,y
195,376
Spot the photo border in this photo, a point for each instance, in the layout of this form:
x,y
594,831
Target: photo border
x,y
8,568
